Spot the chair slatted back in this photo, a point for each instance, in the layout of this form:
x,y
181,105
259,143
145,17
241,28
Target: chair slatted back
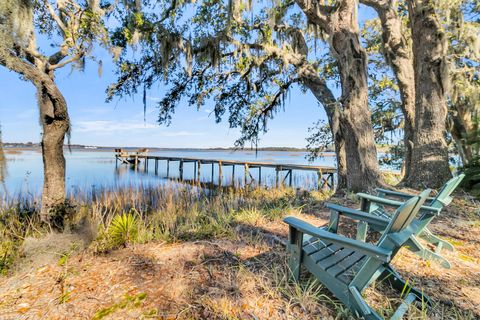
x,y
392,239
405,214
443,197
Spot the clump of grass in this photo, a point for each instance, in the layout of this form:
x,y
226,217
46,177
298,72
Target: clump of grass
x,y
122,229
18,220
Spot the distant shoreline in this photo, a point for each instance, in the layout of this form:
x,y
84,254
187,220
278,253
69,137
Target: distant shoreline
x,y
34,146
17,149
78,147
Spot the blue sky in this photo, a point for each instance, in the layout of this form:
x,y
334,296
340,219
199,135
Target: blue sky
x,y
121,122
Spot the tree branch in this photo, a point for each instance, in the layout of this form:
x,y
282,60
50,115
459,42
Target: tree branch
x,y
55,17
316,13
377,4
57,57
76,57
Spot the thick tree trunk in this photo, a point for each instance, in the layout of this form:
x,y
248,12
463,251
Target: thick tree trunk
x,y
398,53
54,131
430,154
355,118
340,153
55,125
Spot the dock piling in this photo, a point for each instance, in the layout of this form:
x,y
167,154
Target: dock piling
x,y
213,171
259,176
194,170
168,168
180,168
199,165
220,176
277,177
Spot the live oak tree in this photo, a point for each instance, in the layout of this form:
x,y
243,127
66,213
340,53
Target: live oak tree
x,y
384,101
397,50
429,46
246,61
339,23
449,61
68,29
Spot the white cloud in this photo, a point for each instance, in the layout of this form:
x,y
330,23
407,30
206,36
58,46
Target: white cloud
x,y
111,126
100,126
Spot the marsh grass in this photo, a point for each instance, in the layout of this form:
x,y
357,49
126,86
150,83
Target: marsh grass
x,y
138,214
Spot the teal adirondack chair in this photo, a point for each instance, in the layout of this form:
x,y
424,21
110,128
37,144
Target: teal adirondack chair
x,y
376,205
347,266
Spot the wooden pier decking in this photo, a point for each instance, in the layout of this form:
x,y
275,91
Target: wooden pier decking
x,y
325,175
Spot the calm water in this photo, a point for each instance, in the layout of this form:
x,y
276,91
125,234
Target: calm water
x,y
88,169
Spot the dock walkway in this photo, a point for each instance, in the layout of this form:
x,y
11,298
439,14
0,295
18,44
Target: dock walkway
x,y
283,172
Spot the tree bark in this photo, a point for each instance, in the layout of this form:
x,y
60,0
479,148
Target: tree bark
x,y
54,130
397,51
430,153
355,118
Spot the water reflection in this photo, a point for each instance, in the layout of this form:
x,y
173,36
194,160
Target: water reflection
x,y
89,169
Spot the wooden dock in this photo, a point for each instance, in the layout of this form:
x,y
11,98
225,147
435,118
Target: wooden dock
x,y
283,172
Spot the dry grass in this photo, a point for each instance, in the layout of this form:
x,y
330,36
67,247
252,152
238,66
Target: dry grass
x,y
215,256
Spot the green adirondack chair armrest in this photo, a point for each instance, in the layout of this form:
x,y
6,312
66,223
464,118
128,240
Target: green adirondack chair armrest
x,y
362,247
399,194
395,193
393,203
358,215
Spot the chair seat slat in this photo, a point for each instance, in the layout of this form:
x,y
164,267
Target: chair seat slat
x,y
347,276
335,258
343,265
325,252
